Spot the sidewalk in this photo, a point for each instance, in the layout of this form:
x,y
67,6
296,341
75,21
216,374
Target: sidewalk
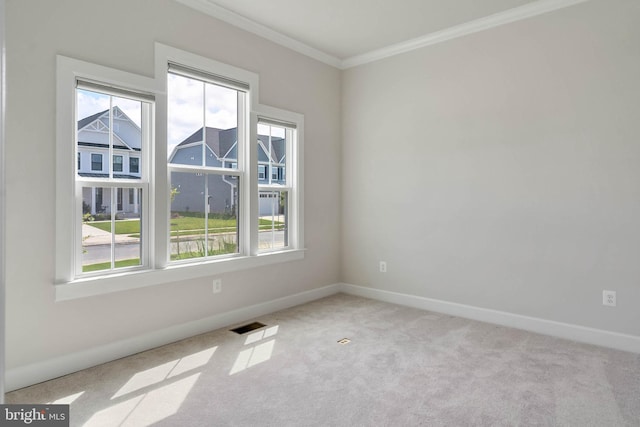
x,y
92,236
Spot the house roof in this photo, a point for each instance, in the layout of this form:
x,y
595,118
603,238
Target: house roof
x,y
220,141
84,122
121,137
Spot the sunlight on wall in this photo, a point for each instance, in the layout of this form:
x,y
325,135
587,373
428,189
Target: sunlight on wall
x,y
167,370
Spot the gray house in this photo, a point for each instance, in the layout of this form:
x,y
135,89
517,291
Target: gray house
x,y
220,150
193,192
93,160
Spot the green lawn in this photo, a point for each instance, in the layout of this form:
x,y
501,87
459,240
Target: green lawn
x,y
183,226
107,265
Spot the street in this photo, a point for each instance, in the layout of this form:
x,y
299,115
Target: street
x,y
129,250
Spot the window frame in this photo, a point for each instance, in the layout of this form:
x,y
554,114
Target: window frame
x,y
159,270
243,115
294,185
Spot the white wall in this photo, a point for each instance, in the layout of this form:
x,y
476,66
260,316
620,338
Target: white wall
x,y
502,169
121,34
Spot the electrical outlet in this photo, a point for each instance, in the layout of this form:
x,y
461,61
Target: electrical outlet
x,y
217,286
383,266
609,298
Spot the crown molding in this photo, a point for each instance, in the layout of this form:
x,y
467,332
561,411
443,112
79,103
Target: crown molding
x,y
501,18
508,16
212,9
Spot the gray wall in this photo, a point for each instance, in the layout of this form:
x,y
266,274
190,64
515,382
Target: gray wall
x,y
121,34
502,169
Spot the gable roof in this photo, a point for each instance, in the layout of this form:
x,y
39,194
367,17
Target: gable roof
x,y
87,120
221,141
119,134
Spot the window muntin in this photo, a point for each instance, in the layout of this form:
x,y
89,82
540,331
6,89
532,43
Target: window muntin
x,y
111,237
203,140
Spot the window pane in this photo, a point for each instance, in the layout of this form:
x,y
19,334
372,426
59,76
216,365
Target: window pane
x,y
272,146
97,112
203,215
221,122
273,223
127,134
92,111
128,229
110,241
223,214
96,229
188,212
185,100
202,123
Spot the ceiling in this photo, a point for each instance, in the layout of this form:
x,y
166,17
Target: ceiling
x,y
346,32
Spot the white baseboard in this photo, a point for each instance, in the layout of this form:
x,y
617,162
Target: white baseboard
x,y
546,327
24,376
42,371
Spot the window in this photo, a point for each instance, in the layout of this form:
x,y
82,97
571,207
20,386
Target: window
x,y
262,172
134,165
200,198
205,189
108,242
96,162
117,163
275,141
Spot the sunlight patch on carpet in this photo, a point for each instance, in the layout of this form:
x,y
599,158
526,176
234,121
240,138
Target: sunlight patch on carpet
x,y
253,356
160,373
148,408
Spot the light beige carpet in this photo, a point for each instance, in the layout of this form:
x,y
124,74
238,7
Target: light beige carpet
x,y
403,367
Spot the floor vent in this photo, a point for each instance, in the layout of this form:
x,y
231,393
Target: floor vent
x,y
248,328
344,341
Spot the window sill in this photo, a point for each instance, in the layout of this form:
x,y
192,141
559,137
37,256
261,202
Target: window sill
x,y
93,286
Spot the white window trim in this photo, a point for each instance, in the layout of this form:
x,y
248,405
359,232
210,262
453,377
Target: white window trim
x,y
159,271
295,178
